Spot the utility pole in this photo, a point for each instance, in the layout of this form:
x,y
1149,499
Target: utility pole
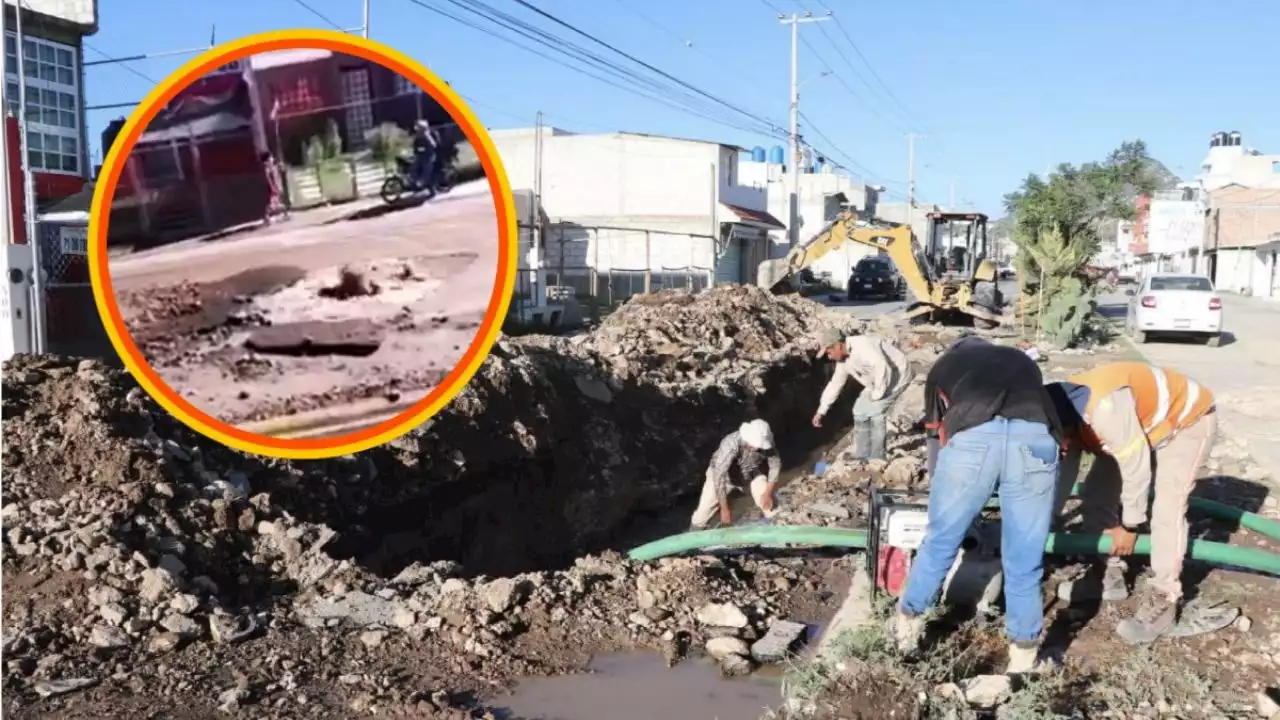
x,y
793,226
365,26
911,170
9,234
29,189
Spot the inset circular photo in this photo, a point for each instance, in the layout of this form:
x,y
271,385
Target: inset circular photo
x,y
303,243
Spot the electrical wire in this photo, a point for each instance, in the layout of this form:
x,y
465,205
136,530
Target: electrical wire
x,y
575,53
320,15
124,64
720,101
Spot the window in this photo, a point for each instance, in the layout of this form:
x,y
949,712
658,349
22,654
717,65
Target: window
x,y
1192,283
51,82
405,86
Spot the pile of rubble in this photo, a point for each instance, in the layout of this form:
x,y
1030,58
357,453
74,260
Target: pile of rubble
x,y
138,555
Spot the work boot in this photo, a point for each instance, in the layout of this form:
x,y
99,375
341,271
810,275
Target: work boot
x,y
1022,657
907,630
877,436
1086,588
1156,615
861,440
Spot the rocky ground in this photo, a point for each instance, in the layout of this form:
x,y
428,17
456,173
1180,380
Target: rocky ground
x,y
276,341
147,569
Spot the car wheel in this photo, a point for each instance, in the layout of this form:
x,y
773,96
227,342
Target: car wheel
x,y
1214,341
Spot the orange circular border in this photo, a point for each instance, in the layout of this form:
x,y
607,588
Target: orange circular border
x,y
304,448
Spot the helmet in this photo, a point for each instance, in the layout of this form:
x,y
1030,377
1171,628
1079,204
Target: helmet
x,y
757,434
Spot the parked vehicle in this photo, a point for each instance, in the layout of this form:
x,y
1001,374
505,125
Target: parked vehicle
x,y
876,277
402,181
1007,272
1175,304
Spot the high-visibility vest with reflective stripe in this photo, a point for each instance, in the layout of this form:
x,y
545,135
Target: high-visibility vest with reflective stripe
x,y
1167,401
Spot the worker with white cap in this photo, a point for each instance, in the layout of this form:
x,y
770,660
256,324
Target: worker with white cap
x,y
750,450
884,373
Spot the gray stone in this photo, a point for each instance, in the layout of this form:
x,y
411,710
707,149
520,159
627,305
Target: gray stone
x,y
779,642
164,642
986,691
182,626
114,613
502,594
184,604
227,629
156,582
722,647
358,607
53,688
373,638
830,510
108,636
103,594
173,564
735,666
1267,705
722,615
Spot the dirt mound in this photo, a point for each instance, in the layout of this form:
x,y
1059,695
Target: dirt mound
x,y
675,336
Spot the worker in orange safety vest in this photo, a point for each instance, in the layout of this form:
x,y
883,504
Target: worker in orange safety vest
x,y
1145,426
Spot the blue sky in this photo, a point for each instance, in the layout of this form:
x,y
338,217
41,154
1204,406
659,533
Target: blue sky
x,y
999,87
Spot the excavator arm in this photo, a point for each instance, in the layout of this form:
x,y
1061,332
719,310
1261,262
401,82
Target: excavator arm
x,y
894,240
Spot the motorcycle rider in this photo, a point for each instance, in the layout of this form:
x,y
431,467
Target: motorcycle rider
x,y
425,149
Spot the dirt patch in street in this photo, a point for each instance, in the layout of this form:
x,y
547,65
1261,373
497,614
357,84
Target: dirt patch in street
x,y
279,341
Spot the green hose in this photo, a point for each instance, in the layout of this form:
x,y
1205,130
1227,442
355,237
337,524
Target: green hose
x,y
1058,543
1244,518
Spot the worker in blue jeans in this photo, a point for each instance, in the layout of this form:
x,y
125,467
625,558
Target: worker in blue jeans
x,y
991,426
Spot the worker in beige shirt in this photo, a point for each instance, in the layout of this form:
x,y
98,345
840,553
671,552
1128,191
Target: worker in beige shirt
x,y
884,373
1149,429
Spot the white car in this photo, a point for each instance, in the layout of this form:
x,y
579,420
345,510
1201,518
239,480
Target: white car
x,y
1175,304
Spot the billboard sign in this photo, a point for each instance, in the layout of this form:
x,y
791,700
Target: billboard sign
x,y
1174,226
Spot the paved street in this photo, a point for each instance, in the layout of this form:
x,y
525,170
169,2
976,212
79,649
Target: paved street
x,y
1244,373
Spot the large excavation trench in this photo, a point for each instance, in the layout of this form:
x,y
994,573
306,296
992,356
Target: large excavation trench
x,y
586,464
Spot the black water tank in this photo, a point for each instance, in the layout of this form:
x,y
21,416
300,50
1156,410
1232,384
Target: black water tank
x,y
110,134
1235,138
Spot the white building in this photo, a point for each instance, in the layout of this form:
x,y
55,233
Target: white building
x,y
822,196
1229,162
627,213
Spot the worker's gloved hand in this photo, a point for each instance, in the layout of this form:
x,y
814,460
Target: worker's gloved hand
x,y
1122,541
726,517
817,421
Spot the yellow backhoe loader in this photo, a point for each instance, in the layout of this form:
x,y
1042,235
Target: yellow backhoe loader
x,y
947,287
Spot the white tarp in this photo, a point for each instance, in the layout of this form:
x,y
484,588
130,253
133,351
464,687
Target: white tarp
x,y
1174,226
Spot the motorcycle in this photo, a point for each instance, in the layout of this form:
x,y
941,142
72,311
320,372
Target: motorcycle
x,y
396,185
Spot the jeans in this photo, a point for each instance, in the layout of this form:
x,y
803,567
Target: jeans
x,y
1021,459
870,425
423,170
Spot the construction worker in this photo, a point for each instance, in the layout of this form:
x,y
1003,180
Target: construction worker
x,y
990,424
750,450
1145,426
884,373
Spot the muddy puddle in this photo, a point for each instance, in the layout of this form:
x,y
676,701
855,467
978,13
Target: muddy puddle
x,y
639,686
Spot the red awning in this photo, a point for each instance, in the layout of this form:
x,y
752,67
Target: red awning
x,y
755,218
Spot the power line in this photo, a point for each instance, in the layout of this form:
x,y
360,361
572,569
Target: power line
x,y
592,61
124,64
720,101
870,68
320,15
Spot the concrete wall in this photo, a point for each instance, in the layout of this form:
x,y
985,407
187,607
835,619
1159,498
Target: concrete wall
x,y
82,13
616,176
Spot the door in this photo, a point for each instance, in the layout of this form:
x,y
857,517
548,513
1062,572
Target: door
x,y
357,96
729,264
